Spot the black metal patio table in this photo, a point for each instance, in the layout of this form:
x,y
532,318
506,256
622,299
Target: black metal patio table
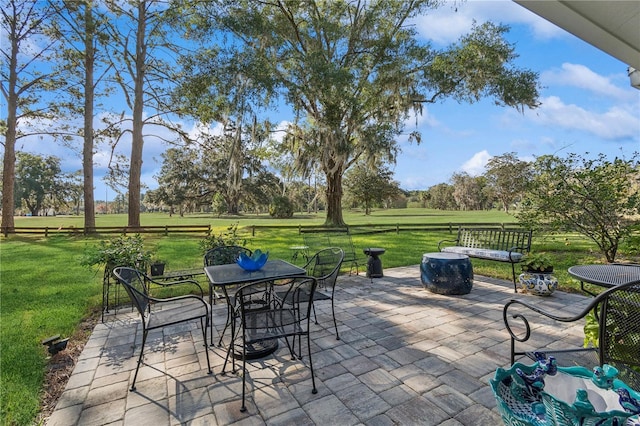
x,y
224,276
609,275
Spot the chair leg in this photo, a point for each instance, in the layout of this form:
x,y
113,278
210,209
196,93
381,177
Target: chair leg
x,y
335,324
204,337
313,378
230,351
211,313
226,325
244,370
513,272
145,332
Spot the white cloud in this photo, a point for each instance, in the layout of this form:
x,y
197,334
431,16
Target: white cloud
x,y
581,76
446,24
475,166
616,123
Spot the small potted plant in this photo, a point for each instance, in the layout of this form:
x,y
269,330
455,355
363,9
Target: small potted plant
x,y
539,263
536,275
157,267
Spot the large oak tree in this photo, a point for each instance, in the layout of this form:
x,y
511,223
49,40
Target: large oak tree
x,y
353,71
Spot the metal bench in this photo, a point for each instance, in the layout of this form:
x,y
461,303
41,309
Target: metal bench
x,y
498,244
317,240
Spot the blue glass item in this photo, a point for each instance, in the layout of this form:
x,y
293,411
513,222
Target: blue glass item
x,y
544,394
254,262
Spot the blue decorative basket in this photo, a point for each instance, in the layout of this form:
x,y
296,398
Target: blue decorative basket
x,y
254,262
543,394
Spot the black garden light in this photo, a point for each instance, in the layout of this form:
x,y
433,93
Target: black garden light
x,y
54,344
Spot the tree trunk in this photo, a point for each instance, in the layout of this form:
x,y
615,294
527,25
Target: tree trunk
x,y
334,200
137,141
234,178
9,164
87,149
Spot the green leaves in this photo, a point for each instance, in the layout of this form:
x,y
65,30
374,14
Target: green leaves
x,y
596,197
125,250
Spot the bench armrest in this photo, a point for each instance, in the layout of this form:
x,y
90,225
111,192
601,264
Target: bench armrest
x,y
521,250
456,241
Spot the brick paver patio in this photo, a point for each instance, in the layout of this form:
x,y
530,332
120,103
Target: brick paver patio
x,y
406,357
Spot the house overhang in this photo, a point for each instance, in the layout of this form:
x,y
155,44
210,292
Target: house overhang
x,y
611,26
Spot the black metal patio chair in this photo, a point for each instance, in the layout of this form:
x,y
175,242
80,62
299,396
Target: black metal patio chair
x,y
153,313
263,317
617,311
325,267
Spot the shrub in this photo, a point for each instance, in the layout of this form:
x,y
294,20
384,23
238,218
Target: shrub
x,y
228,238
281,208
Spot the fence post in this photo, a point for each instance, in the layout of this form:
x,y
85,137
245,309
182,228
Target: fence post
x,y
166,230
46,231
253,230
397,228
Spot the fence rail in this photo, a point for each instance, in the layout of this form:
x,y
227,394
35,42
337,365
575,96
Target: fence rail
x,y
72,230
450,227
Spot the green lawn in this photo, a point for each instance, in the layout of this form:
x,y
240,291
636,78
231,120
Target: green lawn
x,y
45,291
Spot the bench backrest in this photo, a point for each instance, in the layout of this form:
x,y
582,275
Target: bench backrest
x,y
317,241
495,239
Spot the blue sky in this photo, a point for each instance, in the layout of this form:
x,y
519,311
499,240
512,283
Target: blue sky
x,y
587,106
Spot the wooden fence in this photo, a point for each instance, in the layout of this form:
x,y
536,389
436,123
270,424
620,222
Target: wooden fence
x,y
72,230
450,227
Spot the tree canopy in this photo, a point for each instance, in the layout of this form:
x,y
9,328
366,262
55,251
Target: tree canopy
x,y
507,176
370,185
597,198
353,71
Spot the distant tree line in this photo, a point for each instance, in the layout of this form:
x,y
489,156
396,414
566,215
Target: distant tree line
x,y
503,185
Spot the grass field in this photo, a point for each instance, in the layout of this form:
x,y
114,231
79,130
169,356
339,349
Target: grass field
x,y
45,291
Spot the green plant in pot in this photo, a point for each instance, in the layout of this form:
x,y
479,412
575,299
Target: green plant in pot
x,y
120,251
537,263
536,275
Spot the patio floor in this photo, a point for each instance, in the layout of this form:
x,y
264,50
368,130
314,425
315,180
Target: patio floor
x,y
406,356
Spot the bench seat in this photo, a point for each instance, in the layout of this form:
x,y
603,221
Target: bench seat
x,y
488,254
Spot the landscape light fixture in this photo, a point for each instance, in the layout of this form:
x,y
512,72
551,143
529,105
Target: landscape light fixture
x,y
54,344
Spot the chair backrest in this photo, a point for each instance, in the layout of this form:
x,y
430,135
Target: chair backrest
x,y
260,305
135,283
325,266
619,332
224,255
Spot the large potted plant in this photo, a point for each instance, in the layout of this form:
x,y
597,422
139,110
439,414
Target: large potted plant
x,y
125,250
536,275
